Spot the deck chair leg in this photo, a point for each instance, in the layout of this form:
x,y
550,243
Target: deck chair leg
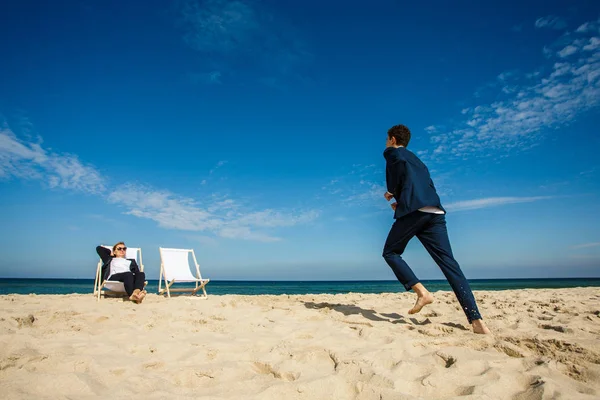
x,y
168,285
200,287
204,296
160,278
97,278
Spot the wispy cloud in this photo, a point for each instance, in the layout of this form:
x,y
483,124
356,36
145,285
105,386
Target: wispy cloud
x,y
589,27
491,202
207,78
204,240
222,217
586,245
528,105
226,33
218,215
29,160
551,22
213,170
361,185
216,167
366,192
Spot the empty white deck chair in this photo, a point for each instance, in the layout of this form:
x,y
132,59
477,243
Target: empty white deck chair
x,y
107,287
175,268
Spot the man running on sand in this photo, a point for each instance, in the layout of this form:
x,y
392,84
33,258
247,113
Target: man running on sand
x,y
419,212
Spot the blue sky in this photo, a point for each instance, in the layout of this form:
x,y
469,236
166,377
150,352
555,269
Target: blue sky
x,y
253,132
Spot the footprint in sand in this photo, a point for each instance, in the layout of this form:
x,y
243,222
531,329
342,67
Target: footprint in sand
x,y
545,318
510,350
465,390
25,321
267,369
118,371
557,328
447,359
154,365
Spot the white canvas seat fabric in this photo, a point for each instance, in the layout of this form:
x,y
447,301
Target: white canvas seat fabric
x,y
116,287
175,268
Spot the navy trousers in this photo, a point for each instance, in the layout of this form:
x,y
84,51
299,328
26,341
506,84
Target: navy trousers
x,y
130,280
431,230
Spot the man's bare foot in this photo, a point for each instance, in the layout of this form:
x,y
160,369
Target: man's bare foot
x,y
422,301
479,327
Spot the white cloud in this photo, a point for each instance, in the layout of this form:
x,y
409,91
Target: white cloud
x,y
586,245
242,31
589,27
220,216
551,22
207,78
272,218
224,217
219,165
593,44
244,232
567,51
361,185
27,160
532,104
367,192
205,240
219,26
491,202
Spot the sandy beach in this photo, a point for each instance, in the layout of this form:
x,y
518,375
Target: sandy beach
x,y
546,345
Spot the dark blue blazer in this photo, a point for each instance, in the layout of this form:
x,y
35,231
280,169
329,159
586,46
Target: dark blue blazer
x,y
409,181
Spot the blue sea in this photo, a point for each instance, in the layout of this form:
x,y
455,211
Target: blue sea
x,y
69,286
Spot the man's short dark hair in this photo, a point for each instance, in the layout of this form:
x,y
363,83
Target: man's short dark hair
x,y
401,133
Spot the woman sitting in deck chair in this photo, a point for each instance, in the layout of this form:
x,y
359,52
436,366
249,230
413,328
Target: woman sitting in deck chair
x,y
116,267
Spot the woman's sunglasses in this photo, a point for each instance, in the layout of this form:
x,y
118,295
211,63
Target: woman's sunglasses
x,y
121,248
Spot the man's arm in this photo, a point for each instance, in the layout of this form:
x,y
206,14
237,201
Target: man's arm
x,y
104,254
393,169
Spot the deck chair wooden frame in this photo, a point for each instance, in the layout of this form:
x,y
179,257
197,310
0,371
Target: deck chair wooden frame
x,y
175,268
115,288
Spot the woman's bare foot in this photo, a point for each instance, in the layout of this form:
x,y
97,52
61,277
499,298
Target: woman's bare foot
x,y
424,297
479,327
135,295
141,296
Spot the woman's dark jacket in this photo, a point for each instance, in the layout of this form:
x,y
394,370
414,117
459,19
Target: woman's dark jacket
x,y
104,254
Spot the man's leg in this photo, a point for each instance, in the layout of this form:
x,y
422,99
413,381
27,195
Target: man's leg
x,y
434,236
400,234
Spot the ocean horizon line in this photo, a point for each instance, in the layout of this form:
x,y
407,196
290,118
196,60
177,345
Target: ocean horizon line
x,y
327,280
273,287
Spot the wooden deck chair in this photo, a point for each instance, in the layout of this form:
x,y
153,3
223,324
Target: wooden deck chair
x,y
175,268
116,288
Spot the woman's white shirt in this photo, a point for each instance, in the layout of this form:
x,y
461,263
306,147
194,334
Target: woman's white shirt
x,y
119,265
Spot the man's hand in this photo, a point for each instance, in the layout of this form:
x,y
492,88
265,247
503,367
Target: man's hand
x,y
394,205
388,196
